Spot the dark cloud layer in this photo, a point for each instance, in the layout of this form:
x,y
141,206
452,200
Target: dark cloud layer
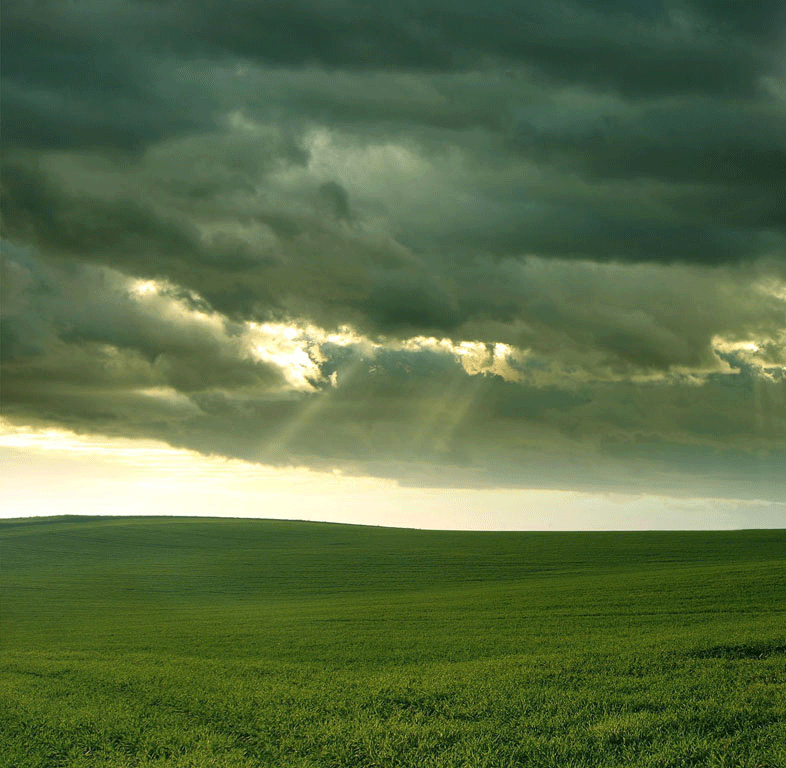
x,y
537,245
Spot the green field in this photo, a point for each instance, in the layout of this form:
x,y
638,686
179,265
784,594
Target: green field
x,y
214,642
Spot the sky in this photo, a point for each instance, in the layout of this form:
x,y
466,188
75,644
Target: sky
x,y
434,264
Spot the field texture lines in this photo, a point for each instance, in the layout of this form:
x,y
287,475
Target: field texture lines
x,y
177,643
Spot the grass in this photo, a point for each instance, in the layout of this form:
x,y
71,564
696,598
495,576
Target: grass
x,y
177,642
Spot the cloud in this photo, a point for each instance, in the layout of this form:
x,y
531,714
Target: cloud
x,y
141,358
540,246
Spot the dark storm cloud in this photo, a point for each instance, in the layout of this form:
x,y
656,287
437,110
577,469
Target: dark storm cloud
x,y
129,367
125,75
85,225
280,258
636,48
335,200
294,265
595,233
596,185
708,141
79,331
73,76
89,74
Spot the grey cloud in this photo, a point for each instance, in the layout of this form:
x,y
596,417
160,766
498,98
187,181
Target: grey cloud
x,y
633,48
79,330
398,413
596,185
710,149
108,57
758,22
593,232
78,75
335,200
36,210
405,301
273,252
264,252
613,317
700,140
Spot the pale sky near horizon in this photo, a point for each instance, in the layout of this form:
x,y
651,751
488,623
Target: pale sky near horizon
x,y
100,476
441,264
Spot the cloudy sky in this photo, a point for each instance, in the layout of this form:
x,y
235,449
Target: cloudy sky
x,y
436,263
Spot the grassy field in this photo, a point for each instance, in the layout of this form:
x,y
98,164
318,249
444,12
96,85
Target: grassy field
x,y
206,642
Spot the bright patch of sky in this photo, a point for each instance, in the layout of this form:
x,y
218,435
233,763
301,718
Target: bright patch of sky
x,y
296,347
55,472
